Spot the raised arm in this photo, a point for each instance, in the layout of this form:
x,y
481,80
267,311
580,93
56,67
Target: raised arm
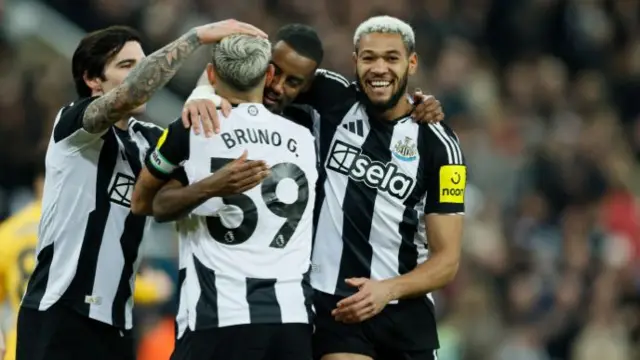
x,y
148,76
154,72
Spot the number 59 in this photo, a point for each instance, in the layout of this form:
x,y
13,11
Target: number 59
x,y
291,212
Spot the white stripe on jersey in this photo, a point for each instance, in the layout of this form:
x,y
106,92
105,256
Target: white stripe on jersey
x,y
385,239
87,229
329,245
333,76
261,277
453,149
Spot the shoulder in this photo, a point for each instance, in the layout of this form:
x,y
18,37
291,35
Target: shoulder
x,y
328,75
441,141
69,119
145,127
301,125
302,115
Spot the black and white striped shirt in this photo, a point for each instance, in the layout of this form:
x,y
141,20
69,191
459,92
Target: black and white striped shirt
x,y
88,241
378,180
245,258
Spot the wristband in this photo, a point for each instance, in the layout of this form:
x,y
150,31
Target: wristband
x,y
205,92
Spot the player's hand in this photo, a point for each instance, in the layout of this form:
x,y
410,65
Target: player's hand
x,y
237,176
214,32
202,115
427,109
371,298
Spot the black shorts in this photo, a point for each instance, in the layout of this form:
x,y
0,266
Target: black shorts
x,y
60,333
246,342
404,331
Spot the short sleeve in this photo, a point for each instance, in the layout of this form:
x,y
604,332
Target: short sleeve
x,y
68,126
165,161
445,171
327,90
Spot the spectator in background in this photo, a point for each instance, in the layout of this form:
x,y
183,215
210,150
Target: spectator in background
x,y
542,93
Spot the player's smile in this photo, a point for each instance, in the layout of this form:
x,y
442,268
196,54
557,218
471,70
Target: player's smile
x,y
271,98
379,89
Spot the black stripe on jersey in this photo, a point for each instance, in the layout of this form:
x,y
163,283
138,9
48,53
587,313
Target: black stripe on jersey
x,y
358,207
130,239
207,306
263,302
150,133
408,253
327,132
39,278
130,244
83,281
307,292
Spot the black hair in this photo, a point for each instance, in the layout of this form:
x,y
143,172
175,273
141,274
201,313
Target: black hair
x,y
303,39
95,51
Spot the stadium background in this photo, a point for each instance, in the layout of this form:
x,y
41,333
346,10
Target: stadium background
x,y
544,95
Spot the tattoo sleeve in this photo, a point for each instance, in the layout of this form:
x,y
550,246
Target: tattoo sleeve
x,y
147,77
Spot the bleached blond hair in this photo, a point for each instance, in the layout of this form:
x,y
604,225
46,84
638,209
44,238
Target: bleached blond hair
x,y
386,25
241,61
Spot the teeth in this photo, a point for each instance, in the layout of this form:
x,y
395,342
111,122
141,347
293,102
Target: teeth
x,y
380,83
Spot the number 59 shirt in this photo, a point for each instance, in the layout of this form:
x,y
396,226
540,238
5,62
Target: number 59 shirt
x,y
244,258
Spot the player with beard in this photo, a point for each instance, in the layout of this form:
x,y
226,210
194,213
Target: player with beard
x,y
376,161
385,180
296,55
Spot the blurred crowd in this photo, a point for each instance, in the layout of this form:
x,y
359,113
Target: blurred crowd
x,y
545,97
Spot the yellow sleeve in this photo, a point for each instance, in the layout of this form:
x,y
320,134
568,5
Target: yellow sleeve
x,y
5,260
145,291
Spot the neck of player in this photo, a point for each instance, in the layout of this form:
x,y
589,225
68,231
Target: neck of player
x,y
401,109
236,97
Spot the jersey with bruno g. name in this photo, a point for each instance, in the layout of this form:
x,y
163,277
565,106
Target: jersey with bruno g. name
x,y
244,258
377,181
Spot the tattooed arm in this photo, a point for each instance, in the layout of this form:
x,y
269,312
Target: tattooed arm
x,y
148,76
154,72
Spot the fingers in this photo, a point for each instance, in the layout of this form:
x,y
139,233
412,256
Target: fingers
x,y
226,107
429,110
252,30
354,310
190,117
243,157
205,117
249,174
417,96
185,118
213,116
360,315
356,282
252,181
353,299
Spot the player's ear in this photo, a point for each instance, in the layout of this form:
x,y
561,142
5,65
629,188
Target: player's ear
x,y
95,84
271,71
413,63
211,74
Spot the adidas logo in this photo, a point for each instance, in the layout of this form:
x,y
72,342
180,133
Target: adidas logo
x,y
356,127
